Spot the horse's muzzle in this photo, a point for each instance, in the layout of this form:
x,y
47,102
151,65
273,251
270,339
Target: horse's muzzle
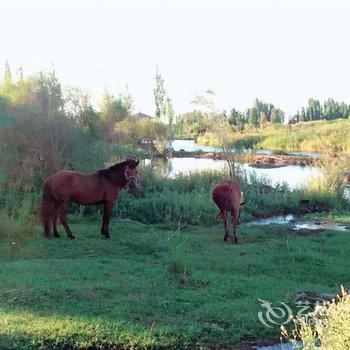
x,y
132,185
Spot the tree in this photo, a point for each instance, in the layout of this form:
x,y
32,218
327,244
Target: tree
x,y
45,93
263,112
237,119
169,110
7,74
37,135
75,101
159,97
113,111
79,107
329,110
164,110
294,119
277,116
220,125
193,124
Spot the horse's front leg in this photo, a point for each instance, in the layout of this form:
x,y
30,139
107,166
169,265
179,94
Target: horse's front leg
x,y
108,207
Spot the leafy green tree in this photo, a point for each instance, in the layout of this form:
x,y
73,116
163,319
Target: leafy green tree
x,y
237,119
164,110
46,92
170,116
39,91
313,110
79,107
263,112
7,74
277,116
159,97
329,110
113,111
294,119
75,101
12,91
253,115
193,124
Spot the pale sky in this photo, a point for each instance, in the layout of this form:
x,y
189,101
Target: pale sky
x,y
279,51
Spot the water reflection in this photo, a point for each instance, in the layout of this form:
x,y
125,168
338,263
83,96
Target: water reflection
x,y
192,146
347,193
295,176
300,224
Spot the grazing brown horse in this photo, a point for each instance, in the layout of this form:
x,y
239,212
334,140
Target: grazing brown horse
x,y
228,196
101,187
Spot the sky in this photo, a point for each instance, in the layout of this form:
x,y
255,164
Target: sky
x,y
282,52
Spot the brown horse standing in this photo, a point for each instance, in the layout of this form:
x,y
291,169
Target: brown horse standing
x,y
101,187
228,196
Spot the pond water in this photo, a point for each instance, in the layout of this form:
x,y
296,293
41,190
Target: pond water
x,y
295,176
284,346
298,224
192,146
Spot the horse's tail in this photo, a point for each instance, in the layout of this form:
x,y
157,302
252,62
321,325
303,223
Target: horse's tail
x,y
48,211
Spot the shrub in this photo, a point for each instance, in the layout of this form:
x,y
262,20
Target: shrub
x,y
327,328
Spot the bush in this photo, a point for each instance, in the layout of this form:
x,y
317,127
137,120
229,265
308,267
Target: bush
x,y
327,328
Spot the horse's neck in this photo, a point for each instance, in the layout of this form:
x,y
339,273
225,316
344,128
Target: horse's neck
x,y
118,180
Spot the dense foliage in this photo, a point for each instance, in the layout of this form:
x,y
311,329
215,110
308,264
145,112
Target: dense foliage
x,y
327,328
320,136
200,124
44,128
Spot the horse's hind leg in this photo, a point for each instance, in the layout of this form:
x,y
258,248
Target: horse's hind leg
x,y
62,215
224,218
64,221
54,224
47,227
108,207
235,222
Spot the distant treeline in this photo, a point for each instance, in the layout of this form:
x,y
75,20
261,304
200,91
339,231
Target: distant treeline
x,y
314,110
196,123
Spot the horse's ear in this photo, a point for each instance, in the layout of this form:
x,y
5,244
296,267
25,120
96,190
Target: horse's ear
x,y
133,163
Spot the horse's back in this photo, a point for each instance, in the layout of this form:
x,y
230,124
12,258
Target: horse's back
x,y
227,195
67,183
62,177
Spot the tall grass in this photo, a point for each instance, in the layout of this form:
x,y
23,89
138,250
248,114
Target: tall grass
x,y
186,200
304,136
327,328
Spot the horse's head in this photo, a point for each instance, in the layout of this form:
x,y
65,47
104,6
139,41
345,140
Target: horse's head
x,y
131,173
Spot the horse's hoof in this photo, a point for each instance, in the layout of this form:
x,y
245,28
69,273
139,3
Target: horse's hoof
x,y
106,236
71,237
232,240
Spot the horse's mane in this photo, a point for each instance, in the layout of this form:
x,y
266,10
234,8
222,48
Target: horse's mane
x,y
117,171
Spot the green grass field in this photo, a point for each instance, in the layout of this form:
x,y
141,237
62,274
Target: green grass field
x,y
318,136
150,288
